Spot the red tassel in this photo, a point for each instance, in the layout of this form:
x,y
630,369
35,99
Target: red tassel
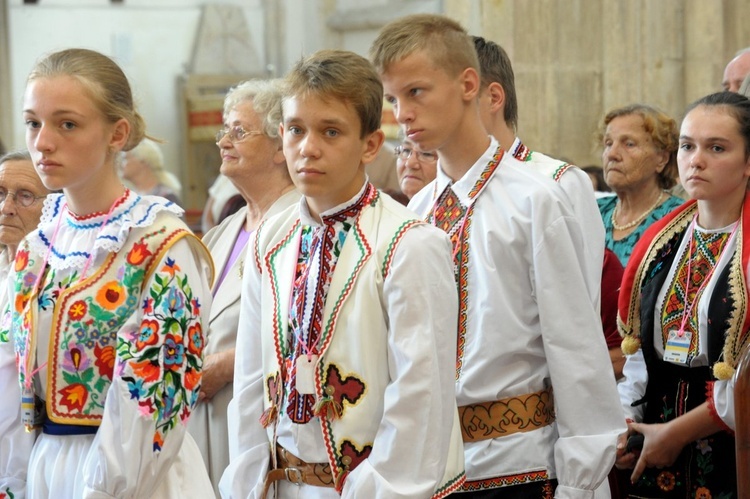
x,y
338,483
327,408
268,416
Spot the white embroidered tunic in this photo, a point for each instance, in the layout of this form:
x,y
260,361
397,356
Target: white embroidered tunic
x,y
527,321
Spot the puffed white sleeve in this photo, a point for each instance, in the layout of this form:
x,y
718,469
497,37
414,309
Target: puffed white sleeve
x,y
632,388
411,448
155,385
15,442
576,183
588,412
249,451
721,402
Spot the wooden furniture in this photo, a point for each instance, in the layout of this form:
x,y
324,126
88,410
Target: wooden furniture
x,y
742,422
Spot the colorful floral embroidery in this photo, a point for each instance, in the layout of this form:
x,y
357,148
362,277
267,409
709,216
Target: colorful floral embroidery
x,y
7,494
702,446
24,280
162,359
74,396
88,341
5,324
78,310
138,254
22,260
666,481
105,360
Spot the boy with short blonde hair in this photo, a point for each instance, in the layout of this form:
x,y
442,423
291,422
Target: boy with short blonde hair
x,y
443,39
345,353
526,323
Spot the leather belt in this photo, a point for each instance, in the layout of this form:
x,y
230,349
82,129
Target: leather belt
x,y
501,418
294,470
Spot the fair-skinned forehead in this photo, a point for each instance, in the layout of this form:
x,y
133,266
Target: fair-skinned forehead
x,y
302,100
722,112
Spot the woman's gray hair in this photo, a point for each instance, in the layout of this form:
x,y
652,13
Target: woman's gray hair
x,y
265,96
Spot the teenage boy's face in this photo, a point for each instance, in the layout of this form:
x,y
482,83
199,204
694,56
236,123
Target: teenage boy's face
x,y
427,101
323,149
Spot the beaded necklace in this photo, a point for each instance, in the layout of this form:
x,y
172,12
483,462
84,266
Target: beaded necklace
x,y
638,220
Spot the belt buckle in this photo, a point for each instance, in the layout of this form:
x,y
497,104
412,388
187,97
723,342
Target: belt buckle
x,y
290,472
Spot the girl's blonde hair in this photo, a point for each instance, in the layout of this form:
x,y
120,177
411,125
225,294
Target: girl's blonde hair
x,y
105,81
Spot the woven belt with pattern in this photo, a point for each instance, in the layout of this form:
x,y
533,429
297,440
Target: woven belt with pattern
x,y
505,417
294,470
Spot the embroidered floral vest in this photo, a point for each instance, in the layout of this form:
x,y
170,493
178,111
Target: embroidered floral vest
x,y
87,317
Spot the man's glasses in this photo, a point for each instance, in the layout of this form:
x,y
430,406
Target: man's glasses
x,y
22,197
236,134
405,153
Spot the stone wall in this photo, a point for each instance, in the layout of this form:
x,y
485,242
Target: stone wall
x,y
576,59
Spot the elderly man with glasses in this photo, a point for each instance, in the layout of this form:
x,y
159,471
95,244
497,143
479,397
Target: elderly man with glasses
x,y
21,195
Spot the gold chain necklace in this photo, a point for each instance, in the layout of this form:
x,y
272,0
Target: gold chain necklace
x,y
638,220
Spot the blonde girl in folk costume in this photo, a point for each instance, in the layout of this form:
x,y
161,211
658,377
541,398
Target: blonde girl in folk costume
x,y
684,314
111,294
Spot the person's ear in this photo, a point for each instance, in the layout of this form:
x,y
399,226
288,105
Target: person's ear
x,y
663,160
497,97
278,156
120,135
372,145
469,79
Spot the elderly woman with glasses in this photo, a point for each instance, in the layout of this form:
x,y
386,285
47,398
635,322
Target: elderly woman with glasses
x,y
252,158
415,168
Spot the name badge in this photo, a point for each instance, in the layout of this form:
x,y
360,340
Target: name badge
x,y
30,405
305,378
677,347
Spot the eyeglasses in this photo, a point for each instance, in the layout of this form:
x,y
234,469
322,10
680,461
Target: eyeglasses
x,y
236,134
22,197
405,153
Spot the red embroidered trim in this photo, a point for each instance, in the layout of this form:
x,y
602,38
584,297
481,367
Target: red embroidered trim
x,y
712,408
81,218
462,265
450,487
561,171
275,290
386,266
522,153
256,248
504,481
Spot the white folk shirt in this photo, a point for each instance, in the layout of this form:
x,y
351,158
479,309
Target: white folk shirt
x,y
410,322
531,323
576,186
